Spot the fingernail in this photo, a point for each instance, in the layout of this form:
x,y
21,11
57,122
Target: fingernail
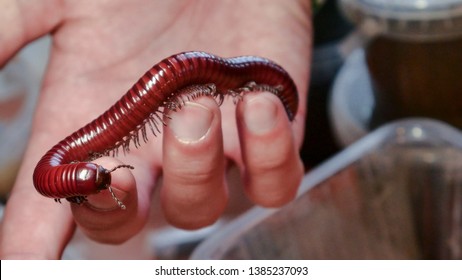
x,y
191,123
106,202
260,114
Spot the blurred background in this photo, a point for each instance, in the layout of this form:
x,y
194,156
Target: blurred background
x,y
382,147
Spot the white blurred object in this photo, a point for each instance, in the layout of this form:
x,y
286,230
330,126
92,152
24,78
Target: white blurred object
x,y
352,100
173,243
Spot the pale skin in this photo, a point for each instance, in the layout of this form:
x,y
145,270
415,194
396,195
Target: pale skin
x,y
99,49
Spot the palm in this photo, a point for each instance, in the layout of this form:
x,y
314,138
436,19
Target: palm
x,y
102,48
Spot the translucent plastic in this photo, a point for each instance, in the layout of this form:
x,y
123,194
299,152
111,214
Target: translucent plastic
x,y
395,194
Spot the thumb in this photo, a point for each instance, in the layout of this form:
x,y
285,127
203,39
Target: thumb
x,y
115,215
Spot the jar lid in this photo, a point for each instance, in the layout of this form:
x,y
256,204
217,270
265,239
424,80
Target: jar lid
x,y
407,19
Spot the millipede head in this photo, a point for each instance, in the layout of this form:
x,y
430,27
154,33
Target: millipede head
x,y
103,178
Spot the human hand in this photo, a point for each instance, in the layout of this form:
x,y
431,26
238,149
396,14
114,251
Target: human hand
x,y
99,50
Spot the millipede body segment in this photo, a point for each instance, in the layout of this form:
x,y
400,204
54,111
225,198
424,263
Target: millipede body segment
x,y
65,171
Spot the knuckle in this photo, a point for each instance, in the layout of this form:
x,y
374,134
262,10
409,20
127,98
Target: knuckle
x,y
268,162
196,173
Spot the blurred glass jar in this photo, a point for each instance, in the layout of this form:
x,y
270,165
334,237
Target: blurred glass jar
x,y
413,56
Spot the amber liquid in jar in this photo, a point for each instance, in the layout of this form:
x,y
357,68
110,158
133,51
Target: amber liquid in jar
x,y
416,79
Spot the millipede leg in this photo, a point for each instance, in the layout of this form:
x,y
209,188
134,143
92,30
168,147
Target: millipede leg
x,y
120,203
121,166
76,199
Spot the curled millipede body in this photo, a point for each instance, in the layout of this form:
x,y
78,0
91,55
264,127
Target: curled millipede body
x,y
65,171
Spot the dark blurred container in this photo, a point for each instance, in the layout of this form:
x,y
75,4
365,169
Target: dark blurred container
x,y
414,57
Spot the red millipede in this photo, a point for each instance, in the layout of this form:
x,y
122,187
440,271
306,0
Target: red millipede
x,y
65,171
